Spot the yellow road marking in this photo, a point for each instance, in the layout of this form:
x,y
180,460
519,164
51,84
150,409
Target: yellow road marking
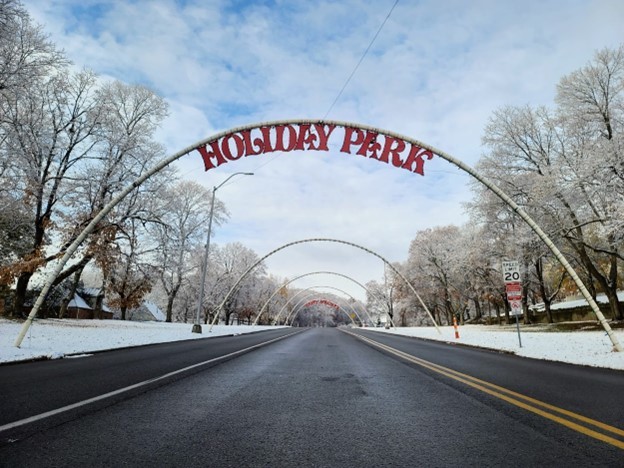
x,y
512,397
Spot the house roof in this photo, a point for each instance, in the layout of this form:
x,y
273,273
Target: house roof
x,y
91,292
155,311
601,298
78,302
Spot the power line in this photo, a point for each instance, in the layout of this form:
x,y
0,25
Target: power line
x,y
360,61
350,76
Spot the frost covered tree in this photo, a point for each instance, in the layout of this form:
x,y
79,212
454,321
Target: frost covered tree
x,y
265,286
27,61
591,108
380,297
564,168
74,144
180,231
129,274
226,265
128,116
49,131
26,53
433,267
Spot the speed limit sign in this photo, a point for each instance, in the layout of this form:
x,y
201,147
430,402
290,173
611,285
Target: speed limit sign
x,y
511,272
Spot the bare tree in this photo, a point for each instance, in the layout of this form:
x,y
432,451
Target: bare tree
x,y
48,132
565,168
226,266
129,275
184,221
380,296
26,53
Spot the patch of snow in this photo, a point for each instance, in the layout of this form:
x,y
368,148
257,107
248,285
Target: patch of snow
x,y
56,338
589,348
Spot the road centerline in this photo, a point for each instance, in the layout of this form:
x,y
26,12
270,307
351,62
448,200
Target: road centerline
x,y
510,396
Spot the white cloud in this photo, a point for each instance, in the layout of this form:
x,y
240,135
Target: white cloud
x,y
435,73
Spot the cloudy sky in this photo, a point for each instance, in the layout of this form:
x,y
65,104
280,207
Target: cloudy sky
x,y
436,72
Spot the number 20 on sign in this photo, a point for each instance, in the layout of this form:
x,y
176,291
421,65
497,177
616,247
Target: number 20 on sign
x,y
511,272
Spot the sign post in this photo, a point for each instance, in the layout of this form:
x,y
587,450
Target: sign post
x,y
513,287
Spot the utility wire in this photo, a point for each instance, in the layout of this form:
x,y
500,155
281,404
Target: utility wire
x,y
348,79
361,60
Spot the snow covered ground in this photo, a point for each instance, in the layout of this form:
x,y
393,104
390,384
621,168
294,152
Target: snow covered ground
x,y
55,338
590,348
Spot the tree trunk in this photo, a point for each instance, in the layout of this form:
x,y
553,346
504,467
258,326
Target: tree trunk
x,y
506,306
65,303
20,294
611,292
169,308
614,304
545,296
498,314
99,302
478,312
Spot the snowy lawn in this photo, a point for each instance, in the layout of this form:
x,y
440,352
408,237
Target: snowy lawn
x,y
53,338
590,348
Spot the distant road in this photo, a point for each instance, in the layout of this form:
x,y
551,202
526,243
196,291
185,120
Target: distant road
x,y
328,398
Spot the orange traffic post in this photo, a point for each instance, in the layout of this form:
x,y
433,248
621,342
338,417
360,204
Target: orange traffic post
x,y
455,327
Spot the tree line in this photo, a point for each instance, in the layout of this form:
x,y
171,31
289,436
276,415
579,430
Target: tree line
x,y
564,165
69,142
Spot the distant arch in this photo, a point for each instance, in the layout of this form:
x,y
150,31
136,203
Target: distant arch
x,y
321,239
308,290
279,288
355,312
310,293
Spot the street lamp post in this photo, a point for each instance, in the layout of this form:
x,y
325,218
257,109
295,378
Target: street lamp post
x,y
197,326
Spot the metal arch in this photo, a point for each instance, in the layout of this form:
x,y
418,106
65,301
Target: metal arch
x,y
303,276
320,239
456,162
308,297
292,317
339,290
279,314
305,298
297,313
298,293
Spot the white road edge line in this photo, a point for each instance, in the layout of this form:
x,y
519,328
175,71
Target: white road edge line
x,y
47,414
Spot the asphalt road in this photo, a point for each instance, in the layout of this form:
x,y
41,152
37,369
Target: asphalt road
x,y
30,389
325,398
